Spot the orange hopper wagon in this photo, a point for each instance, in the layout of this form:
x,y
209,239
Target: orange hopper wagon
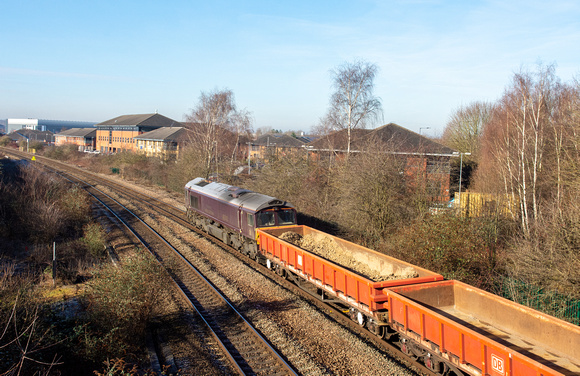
x,y
339,281
481,333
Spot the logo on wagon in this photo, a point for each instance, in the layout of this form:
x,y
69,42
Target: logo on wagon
x,y
497,364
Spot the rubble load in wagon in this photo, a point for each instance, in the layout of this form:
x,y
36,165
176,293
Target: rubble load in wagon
x,y
326,247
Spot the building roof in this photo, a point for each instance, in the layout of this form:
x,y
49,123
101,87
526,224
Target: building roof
x,y
337,140
396,138
278,140
402,140
140,120
163,134
78,132
32,135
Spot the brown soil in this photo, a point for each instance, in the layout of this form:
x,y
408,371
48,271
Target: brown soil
x,y
326,247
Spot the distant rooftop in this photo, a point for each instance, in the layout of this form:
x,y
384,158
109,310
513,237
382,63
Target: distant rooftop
x,y
392,137
163,134
78,132
141,120
278,140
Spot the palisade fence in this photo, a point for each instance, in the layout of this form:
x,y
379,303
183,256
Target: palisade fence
x,y
473,204
549,302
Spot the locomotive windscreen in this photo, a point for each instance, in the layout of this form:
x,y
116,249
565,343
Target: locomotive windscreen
x,y
286,217
272,217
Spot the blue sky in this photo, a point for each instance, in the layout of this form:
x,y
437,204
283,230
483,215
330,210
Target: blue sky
x,y
92,61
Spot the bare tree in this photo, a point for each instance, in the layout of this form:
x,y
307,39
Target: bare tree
x,y
464,128
216,126
353,104
240,125
371,190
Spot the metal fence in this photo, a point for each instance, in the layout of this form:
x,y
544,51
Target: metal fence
x,y
472,204
549,302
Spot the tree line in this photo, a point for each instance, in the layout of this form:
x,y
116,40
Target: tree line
x,y
523,146
526,146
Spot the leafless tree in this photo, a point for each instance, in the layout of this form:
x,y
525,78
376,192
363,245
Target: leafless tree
x,y
518,141
464,128
373,196
353,103
240,125
216,126
530,152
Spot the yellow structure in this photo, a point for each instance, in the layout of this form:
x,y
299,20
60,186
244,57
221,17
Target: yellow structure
x,y
472,204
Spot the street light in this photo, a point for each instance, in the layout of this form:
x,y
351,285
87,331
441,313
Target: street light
x,y
249,157
460,173
421,128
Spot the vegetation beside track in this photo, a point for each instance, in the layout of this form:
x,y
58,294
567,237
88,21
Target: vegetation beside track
x,y
92,312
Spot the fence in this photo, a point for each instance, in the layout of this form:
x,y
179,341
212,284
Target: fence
x,y
472,204
552,303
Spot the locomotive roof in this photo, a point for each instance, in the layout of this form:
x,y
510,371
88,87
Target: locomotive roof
x,y
235,195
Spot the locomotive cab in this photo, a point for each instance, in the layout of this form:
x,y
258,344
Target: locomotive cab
x,y
277,216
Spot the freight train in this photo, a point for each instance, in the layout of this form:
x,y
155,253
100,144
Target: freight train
x,y
450,327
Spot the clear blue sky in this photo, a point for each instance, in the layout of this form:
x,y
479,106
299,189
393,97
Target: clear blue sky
x,y
94,60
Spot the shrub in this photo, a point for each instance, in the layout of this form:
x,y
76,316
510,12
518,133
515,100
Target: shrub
x,y
63,153
26,340
37,145
95,239
5,141
459,248
122,301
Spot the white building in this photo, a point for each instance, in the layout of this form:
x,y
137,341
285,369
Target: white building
x,y
53,126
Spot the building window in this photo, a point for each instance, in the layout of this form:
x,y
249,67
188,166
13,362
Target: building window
x,y
435,166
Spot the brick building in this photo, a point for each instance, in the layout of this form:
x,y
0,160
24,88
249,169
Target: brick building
x,y
274,145
85,138
117,134
426,162
164,142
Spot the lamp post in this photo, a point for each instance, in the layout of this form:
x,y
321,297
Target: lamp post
x,y
249,157
421,128
460,174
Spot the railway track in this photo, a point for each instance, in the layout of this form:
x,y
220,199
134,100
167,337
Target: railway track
x,y
178,215
249,352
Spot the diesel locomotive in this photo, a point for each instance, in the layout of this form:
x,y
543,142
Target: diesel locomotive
x,y
233,214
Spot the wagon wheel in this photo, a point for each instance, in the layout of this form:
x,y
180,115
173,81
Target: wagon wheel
x,y
379,331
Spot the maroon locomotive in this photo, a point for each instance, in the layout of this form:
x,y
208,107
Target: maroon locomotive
x,y
233,214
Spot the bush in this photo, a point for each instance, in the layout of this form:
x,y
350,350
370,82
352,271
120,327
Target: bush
x,y
26,340
47,207
122,301
37,145
459,248
5,141
63,153
95,239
